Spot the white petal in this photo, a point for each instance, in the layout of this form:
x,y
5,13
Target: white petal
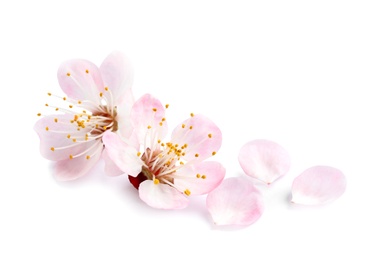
x,y
264,160
235,202
318,185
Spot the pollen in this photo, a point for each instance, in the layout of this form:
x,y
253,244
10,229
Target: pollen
x,y
52,149
68,74
210,135
187,192
87,71
214,153
156,181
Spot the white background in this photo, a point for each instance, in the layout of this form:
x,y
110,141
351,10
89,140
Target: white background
x,y
300,73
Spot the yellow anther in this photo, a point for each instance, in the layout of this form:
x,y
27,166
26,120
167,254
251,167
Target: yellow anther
x,y
46,105
183,125
167,105
101,94
49,93
203,177
79,102
57,109
84,111
105,128
182,154
160,123
187,192
87,71
156,181
214,153
191,127
163,119
198,175
74,140
68,136
181,163
210,135
106,88
47,128
52,149
68,74
149,126
138,154
70,156
159,141
70,106
39,114
96,125
192,115
197,155
55,120
154,109
87,157
64,98
162,144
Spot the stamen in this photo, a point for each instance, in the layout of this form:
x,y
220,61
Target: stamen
x,y
156,181
187,192
87,71
192,115
198,175
68,74
210,135
203,177
214,153
197,155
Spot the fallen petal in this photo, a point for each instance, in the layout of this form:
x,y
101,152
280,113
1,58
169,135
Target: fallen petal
x,y
235,202
264,160
318,185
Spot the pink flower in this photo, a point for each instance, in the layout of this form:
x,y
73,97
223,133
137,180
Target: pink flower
x,y
166,173
97,100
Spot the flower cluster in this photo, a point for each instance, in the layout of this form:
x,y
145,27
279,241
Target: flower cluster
x,y
98,119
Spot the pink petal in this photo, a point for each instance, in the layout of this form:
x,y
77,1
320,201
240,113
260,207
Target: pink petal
x,y
235,202
117,74
264,160
110,168
202,137
123,118
199,178
123,155
80,80
318,185
161,196
147,117
72,169
54,144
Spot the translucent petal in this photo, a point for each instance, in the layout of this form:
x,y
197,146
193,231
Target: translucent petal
x,y
235,202
318,185
264,160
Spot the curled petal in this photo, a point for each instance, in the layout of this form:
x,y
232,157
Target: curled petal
x,y
117,74
161,196
202,137
264,160
80,80
71,169
318,185
123,155
148,120
235,202
199,178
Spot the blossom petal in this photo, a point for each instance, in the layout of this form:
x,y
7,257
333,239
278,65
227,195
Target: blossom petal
x,y
235,202
161,196
202,137
147,117
71,169
199,178
318,185
117,74
264,160
110,168
80,80
123,155
53,133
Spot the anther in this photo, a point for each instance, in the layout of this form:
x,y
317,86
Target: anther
x,y
138,154
214,153
183,125
55,120
203,177
187,192
192,115
101,94
149,126
196,155
70,106
52,149
46,105
156,181
210,135
198,175
154,109
49,93
87,71
39,114
87,157
47,128
167,105
191,127
68,74
68,136
106,88
70,156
